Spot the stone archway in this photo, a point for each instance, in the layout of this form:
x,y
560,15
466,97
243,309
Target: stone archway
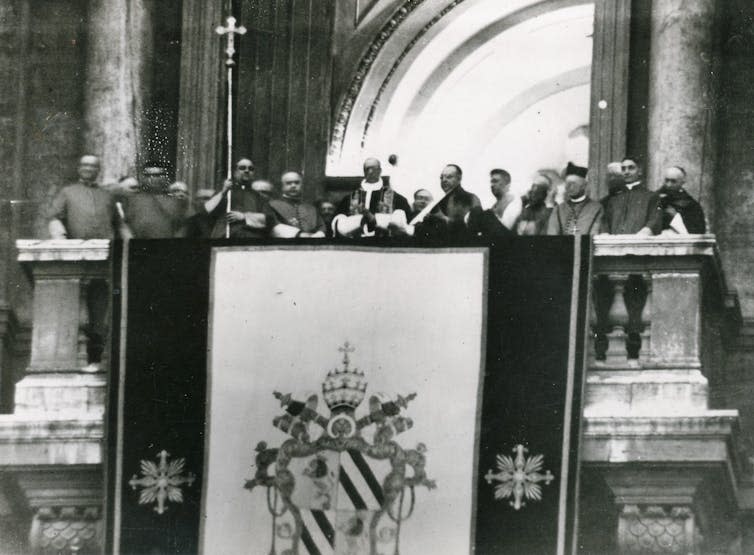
x,y
411,84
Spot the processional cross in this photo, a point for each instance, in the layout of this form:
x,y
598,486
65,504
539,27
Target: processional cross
x,y
230,31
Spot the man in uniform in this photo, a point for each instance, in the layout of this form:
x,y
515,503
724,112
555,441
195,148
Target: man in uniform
x,y
291,210
371,208
578,215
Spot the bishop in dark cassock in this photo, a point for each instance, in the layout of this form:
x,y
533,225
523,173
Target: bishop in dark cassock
x,y
291,210
578,215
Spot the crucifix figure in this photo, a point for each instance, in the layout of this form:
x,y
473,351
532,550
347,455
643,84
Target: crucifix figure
x,y
230,31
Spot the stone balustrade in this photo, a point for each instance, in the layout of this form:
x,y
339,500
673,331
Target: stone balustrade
x,y
51,445
672,464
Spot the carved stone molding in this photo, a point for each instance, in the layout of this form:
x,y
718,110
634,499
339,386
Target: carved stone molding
x,y
64,530
657,529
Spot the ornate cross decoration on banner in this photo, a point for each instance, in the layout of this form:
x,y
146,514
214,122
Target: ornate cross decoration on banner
x,y
161,482
519,478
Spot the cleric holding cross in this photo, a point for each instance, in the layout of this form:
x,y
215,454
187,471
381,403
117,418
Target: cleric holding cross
x,y
250,215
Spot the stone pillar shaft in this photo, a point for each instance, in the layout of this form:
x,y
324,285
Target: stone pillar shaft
x,y
682,95
119,46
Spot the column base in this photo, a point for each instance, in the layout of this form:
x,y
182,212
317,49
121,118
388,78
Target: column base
x,y
71,393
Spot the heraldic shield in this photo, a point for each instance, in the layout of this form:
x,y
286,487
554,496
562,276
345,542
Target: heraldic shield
x,y
341,484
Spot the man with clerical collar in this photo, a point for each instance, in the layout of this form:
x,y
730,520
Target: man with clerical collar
x,y
153,212
633,209
370,209
535,214
578,215
291,210
249,216
85,210
681,213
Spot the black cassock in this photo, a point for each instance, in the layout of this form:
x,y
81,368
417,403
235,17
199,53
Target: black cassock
x,y
685,205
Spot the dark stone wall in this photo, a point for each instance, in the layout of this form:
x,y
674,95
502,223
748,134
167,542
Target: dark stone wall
x,y
284,88
54,95
734,188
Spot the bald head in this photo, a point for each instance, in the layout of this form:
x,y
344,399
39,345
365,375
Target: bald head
x,y
291,184
675,178
263,187
372,170
179,190
88,169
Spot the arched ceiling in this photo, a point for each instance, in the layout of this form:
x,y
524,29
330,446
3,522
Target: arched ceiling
x,y
491,59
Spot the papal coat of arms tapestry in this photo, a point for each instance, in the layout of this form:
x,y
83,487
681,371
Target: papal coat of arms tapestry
x,y
298,398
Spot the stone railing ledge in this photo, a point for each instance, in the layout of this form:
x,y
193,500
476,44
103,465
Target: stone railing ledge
x,y
658,245
62,250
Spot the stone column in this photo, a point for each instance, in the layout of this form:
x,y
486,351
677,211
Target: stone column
x,y
119,46
682,95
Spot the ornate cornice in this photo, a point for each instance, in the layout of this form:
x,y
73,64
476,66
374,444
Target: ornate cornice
x,y
366,63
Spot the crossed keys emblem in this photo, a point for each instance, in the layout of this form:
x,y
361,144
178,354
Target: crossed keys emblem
x,y
519,478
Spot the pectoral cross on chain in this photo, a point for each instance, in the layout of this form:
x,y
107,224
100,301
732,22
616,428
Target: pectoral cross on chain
x,y
230,30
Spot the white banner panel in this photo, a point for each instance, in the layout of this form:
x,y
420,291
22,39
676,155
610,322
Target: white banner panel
x,y
278,317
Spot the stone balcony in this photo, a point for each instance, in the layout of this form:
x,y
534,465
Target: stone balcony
x,y
661,317
51,445
671,462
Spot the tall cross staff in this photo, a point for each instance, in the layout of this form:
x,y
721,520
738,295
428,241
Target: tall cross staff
x,y
230,31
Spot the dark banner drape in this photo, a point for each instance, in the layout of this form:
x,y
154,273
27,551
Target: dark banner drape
x,y
218,347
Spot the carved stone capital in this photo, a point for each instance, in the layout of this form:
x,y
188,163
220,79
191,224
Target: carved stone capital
x,y
657,529
56,530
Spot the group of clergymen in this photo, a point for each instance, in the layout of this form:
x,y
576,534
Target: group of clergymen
x,y
153,208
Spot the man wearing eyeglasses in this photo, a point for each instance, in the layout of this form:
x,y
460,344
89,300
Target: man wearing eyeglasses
x,y
249,215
